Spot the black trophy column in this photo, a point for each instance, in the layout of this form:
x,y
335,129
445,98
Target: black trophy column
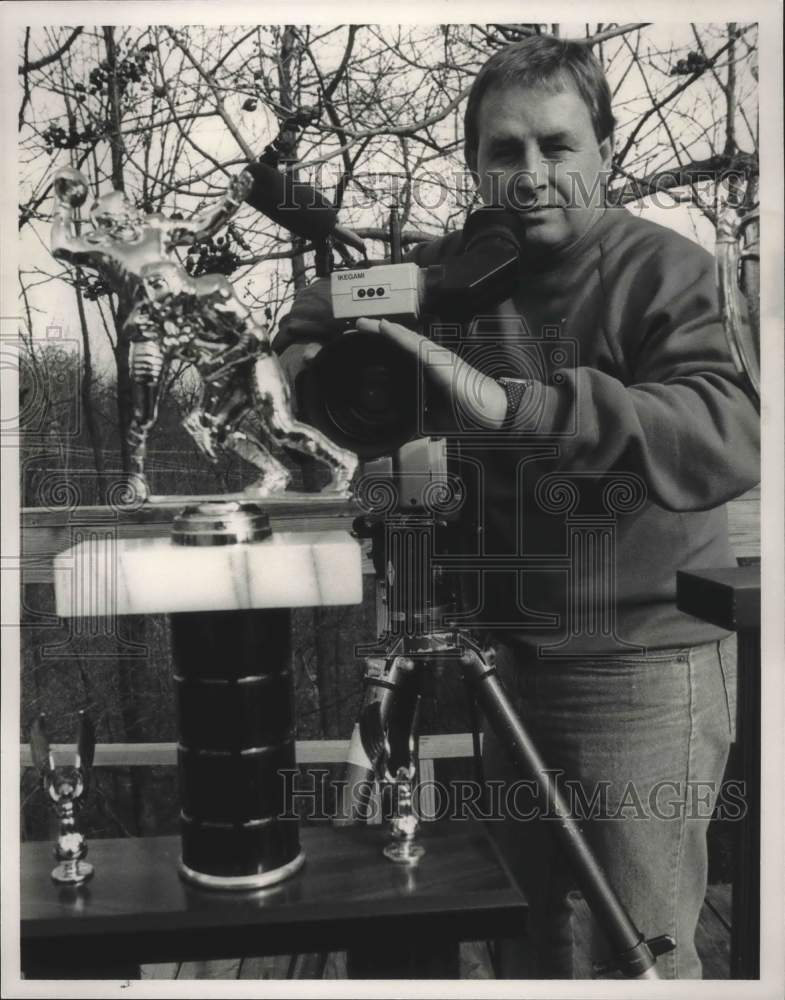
x,y
236,743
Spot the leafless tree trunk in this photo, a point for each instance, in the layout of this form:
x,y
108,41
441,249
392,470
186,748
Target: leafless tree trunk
x,y
86,396
123,307
289,53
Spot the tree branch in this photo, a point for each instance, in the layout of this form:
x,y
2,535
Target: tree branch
x,y
28,67
603,36
682,176
730,95
176,119
329,90
676,91
410,129
26,82
249,153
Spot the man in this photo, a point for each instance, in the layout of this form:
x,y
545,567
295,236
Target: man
x,y
609,474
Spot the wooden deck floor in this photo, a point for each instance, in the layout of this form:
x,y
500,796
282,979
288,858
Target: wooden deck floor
x,y
712,941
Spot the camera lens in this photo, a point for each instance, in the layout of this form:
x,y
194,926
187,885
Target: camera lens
x,y
362,391
380,291
371,293
360,293
374,392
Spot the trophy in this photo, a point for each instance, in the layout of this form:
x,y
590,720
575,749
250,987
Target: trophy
x,y
403,848
198,320
65,787
227,581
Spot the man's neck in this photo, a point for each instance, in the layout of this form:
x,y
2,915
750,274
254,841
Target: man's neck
x,y
549,258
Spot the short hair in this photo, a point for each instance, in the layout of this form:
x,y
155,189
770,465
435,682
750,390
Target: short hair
x,y
541,61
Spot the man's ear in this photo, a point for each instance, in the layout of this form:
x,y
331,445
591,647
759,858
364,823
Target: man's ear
x,y
606,151
470,156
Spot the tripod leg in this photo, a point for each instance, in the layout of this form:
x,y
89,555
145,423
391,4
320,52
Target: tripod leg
x,y
634,956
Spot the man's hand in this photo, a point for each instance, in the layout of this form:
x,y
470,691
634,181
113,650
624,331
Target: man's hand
x,y
401,335
477,396
296,357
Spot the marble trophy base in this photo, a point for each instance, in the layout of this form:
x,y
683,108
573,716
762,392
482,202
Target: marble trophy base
x,y
229,604
137,576
288,498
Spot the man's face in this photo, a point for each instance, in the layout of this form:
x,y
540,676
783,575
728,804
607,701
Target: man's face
x,y
538,155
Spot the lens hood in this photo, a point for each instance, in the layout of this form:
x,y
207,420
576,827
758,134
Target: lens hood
x,y
363,392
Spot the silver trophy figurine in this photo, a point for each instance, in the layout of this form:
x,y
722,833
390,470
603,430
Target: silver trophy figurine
x,y
65,786
198,320
403,848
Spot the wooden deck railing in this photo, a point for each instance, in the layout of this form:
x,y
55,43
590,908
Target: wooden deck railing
x,y
442,747
307,753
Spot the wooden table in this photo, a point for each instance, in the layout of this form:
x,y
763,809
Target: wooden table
x,y
394,921
730,598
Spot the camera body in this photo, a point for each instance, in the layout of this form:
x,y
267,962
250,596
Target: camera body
x,y
365,392
387,290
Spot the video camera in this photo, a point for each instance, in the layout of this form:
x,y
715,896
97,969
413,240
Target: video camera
x,y
481,275
362,390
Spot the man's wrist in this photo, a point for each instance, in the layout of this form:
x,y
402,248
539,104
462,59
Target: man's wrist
x,y
515,389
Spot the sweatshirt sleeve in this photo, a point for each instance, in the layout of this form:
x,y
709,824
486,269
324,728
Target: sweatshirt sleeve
x,y
310,318
680,417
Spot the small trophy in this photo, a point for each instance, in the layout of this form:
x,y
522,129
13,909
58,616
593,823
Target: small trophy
x,y
65,786
403,848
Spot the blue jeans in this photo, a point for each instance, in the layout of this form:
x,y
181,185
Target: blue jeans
x,y
642,742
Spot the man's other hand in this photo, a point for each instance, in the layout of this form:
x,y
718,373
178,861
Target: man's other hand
x,y
298,356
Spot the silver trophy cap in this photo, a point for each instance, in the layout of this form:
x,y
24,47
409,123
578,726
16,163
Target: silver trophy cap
x,y
221,522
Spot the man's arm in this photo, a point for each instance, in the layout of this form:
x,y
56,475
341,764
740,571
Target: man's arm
x,y
304,330
66,243
310,319
479,397
681,420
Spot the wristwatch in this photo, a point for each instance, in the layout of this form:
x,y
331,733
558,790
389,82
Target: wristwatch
x,y
515,389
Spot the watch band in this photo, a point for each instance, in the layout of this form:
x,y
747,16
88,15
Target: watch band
x,y
515,389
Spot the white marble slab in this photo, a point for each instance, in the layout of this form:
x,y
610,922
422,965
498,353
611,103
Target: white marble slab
x,y
106,577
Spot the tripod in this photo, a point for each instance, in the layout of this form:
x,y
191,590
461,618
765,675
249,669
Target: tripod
x,y
419,602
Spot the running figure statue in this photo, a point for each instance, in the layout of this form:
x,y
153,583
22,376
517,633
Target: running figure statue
x,y
199,320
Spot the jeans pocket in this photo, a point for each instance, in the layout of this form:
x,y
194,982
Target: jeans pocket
x,y
728,657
